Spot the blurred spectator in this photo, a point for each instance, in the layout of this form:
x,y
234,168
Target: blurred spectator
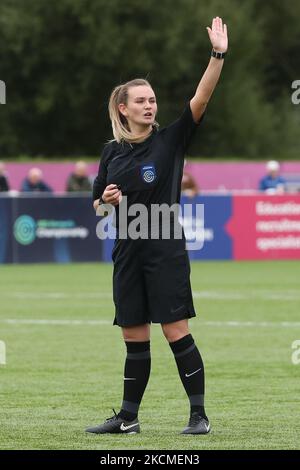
x,y
4,186
188,185
272,182
79,181
34,182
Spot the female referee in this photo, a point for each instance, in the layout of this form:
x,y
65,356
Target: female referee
x,y
151,275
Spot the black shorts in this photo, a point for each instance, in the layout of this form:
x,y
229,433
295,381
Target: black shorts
x,y
151,282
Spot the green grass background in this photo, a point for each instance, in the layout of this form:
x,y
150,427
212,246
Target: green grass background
x,y
60,378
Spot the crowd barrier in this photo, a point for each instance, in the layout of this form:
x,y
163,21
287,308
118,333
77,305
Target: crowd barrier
x,y
209,176
50,228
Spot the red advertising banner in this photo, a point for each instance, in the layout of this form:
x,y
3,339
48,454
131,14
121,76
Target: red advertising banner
x,y
265,227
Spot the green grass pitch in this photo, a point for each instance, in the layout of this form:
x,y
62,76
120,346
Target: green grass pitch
x,y
64,359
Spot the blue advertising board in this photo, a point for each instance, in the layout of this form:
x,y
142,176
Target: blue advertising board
x,y
217,211
6,255
39,228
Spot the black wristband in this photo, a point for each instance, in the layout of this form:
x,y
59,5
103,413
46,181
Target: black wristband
x,y
218,55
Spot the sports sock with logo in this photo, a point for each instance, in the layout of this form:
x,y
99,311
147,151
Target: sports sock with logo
x,y
136,375
191,370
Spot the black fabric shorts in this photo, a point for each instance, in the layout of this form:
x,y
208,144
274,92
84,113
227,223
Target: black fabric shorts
x,y
151,282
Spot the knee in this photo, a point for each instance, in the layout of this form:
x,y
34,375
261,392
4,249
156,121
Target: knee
x,y
174,332
137,334
139,338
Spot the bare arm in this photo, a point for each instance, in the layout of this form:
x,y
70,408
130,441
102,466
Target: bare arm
x,y
219,40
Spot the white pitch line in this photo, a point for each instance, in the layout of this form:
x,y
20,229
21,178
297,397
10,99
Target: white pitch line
x,y
213,295
252,324
12,321
247,296
59,295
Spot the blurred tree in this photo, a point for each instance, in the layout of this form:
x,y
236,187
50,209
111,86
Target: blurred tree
x,y
61,59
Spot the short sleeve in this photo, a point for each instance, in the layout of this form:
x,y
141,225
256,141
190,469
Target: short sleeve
x,y
182,130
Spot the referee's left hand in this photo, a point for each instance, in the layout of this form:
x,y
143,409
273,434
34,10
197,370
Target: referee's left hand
x,y
111,195
218,35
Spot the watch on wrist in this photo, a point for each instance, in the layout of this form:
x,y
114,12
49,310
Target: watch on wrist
x,y
218,55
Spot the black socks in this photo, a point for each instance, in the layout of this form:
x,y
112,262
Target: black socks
x,y
191,371
137,372
136,375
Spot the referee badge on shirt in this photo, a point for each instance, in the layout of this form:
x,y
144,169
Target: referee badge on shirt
x,y
148,173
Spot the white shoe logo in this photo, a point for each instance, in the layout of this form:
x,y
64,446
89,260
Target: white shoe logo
x,y
124,428
188,375
207,426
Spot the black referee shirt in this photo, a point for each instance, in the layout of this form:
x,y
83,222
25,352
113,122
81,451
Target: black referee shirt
x,y
149,172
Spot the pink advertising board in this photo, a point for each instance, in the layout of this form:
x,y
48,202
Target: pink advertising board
x,y
265,227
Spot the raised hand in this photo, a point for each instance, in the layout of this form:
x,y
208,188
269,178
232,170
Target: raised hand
x,y
218,35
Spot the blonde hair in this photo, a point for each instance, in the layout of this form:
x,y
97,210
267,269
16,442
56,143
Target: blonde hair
x,y
119,122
